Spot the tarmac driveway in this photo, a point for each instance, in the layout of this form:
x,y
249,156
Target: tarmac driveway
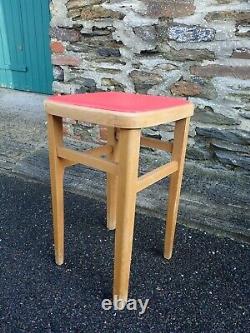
x,y
204,288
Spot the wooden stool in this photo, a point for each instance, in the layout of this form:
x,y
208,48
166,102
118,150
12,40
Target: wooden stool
x,y
119,158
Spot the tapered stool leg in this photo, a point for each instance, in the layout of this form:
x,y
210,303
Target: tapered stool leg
x,y
178,154
112,183
129,149
55,138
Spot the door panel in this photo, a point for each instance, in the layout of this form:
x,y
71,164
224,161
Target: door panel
x,y
25,61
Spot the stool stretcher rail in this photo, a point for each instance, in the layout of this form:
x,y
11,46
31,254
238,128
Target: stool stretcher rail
x,y
157,144
75,157
98,152
156,175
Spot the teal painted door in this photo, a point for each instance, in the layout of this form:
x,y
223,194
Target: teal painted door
x,y
25,60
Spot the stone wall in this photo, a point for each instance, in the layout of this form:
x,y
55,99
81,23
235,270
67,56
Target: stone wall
x,y
191,48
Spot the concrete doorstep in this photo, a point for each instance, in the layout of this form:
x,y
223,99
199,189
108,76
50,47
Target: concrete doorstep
x,y
215,200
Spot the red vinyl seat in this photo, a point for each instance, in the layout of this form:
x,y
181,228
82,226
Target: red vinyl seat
x,y
120,102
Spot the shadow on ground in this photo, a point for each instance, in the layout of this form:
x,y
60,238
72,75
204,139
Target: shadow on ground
x,y
204,288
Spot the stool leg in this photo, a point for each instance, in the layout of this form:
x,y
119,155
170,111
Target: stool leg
x,y
129,150
178,154
112,182
55,138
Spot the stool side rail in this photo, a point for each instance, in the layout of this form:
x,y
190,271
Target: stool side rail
x,y
155,175
157,144
86,159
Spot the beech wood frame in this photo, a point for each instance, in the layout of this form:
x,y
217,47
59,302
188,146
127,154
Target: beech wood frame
x,y
119,158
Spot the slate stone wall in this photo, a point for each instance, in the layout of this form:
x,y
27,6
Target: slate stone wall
x,y
191,48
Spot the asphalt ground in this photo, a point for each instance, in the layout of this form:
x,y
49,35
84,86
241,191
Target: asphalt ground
x,y
204,288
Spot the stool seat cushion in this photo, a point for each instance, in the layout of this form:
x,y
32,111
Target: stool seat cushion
x,y
120,102
118,109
